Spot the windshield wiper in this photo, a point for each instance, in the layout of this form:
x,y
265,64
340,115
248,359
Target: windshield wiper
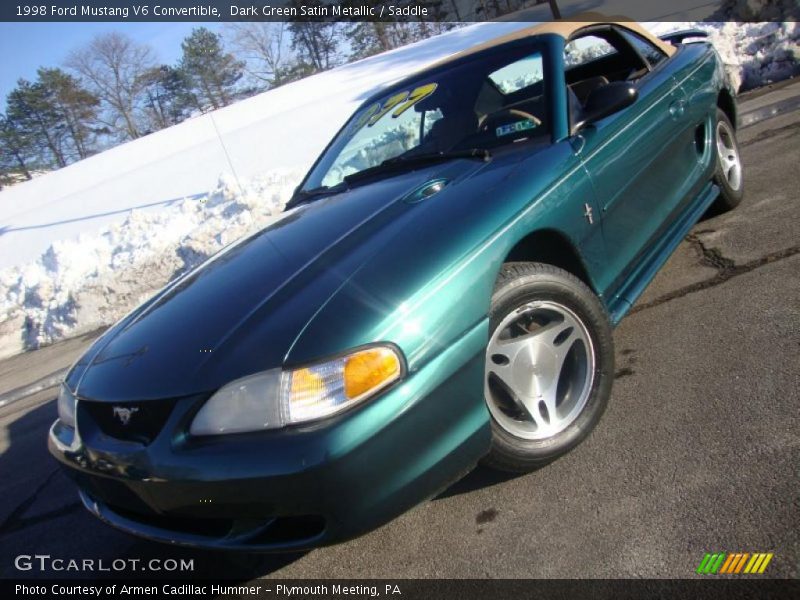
x,y
301,196
402,162
397,163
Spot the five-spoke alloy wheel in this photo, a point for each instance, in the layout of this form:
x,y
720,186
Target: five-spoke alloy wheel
x,y
549,365
539,370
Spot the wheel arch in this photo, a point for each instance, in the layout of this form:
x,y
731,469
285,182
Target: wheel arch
x,y
727,104
552,247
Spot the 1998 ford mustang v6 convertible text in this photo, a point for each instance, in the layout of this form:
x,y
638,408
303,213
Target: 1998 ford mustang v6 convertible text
x,y
441,290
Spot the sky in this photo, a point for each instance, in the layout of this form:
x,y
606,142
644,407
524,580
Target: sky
x,y
25,47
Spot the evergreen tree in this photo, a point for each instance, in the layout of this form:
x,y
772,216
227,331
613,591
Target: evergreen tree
x,y
167,99
50,122
315,43
30,108
439,19
369,36
16,153
211,73
73,104
373,37
293,71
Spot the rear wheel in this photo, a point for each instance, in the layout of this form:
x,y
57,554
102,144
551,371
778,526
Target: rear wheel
x,y
549,365
729,173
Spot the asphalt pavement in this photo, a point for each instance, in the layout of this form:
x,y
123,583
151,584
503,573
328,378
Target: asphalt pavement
x,y
698,452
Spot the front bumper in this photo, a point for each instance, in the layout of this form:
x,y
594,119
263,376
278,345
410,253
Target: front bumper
x,y
295,488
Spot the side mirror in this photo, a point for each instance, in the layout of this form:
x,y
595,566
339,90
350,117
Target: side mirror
x,y
607,100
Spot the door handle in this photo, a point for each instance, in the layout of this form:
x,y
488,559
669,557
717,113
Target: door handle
x,y
677,109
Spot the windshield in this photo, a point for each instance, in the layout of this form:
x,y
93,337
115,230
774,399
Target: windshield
x,y
484,103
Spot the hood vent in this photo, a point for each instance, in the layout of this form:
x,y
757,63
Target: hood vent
x,y
426,190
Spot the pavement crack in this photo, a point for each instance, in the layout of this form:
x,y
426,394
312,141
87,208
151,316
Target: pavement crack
x,y
721,277
16,519
710,257
769,134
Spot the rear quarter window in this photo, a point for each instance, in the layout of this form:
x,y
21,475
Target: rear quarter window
x,y
586,49
651,53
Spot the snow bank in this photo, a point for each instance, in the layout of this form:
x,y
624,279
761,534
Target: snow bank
x,y
283,128
757,54
754,54
81,284
90,280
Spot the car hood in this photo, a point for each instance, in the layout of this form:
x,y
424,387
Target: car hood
x,y
241,311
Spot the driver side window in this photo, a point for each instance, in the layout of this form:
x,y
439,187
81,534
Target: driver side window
x,y
598,58
595,59
511,106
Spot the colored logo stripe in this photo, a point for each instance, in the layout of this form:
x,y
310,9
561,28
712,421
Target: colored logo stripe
x,y
727,564
711,563
734,563
758,563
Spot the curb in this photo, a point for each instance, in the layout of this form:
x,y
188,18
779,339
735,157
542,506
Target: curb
x,y
46,382
757,115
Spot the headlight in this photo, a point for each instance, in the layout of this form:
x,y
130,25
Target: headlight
x,y
276,398
66,406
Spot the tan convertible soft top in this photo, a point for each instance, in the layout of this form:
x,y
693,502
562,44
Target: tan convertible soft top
x,y
566,29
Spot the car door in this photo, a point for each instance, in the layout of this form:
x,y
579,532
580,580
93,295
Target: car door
x,y
693,67
634,160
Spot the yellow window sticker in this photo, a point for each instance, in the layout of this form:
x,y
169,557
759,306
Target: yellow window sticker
x,y
415,96
401,102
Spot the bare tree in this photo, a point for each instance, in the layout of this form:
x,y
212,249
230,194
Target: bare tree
x,y
261,45
114,67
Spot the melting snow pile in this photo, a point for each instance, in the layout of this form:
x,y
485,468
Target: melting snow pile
x,y
81,284
759,53
754,54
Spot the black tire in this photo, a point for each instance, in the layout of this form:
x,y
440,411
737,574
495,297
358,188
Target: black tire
x,y
517,285
729,197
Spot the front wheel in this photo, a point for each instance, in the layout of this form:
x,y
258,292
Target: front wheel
x,y
549,365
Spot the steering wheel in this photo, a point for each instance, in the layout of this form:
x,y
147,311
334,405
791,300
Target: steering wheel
x,y
503,116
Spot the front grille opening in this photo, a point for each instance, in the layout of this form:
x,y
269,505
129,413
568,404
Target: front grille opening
x,y
291,529
282,529
205,527
129,421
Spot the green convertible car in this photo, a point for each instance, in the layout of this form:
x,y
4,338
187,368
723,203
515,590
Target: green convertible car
x,y
441,291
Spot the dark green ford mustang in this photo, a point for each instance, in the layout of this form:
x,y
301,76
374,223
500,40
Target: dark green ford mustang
x,y
441,291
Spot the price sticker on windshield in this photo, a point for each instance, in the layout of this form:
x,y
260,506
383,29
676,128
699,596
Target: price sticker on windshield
x,y
397,104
